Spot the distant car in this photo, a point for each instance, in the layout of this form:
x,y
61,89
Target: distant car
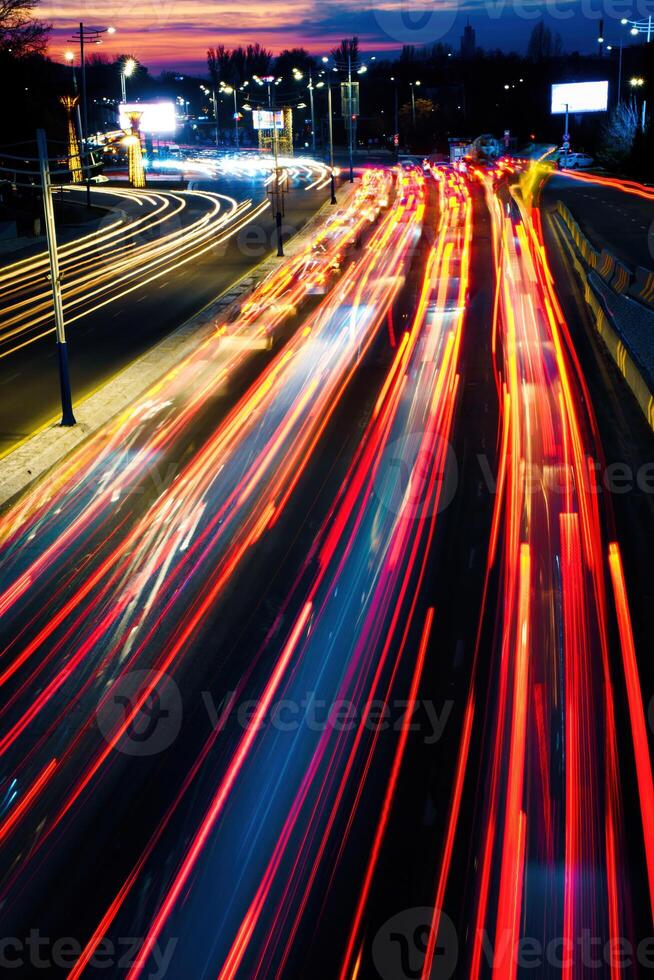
x,y
574,161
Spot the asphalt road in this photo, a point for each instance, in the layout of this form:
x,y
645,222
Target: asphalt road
x,y
328,591
620,222
103,342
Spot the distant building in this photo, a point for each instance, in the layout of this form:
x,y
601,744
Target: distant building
x,y
468,41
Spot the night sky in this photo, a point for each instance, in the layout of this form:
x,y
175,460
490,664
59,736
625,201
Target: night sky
x,y
176,33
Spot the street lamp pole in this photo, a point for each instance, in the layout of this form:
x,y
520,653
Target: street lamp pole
x,y
350,114
235,118
67,416
87,34
331,143
313,118
278,206
396,113
215,110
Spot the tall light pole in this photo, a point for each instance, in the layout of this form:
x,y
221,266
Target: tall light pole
x,y
231,90
67,416
214,102
639,26
637,83
92,35
313,116
413,101
127,70
609,47
396,118
270,80
330,130
70,59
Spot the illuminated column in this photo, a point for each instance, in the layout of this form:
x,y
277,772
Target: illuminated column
x,y
134,153
286,135
69,102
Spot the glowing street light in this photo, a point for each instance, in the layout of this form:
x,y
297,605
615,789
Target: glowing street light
x,y
230,90
128,68
413,101
639,26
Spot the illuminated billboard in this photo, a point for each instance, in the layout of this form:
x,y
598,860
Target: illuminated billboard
x,y
262,119
157,118
580,97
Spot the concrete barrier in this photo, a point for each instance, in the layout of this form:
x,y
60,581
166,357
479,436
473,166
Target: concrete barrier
x,y
642,288
605,322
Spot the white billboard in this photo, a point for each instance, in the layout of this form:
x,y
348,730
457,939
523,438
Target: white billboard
x,y
263,119
156,117
580,97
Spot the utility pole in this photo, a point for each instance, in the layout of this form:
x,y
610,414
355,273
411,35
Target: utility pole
x,y
350,113
67,417
278,203
331,143
396,116
313,118
215,110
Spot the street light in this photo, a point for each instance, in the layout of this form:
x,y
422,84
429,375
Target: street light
x,y
413,100
298,76
92,35
639,26
637,82
127,70
230,90
88,35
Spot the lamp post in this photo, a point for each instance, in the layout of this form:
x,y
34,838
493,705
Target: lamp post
x,y
330,130
637,83
231,90
396,118
214,102
67,416
609,47
413,101
127,70
639,26
92,35
270,80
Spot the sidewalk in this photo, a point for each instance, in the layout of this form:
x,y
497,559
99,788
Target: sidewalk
x,y
49,446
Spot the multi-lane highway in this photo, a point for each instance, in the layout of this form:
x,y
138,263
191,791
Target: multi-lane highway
x,y
320,659
127,284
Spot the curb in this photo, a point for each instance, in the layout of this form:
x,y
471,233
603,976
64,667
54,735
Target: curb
x,y
48,446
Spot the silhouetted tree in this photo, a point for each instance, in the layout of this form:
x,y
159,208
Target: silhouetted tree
x,y
21,33
543,44
294,58
348,50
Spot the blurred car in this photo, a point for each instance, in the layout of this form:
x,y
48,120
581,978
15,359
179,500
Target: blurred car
x,y
574,161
